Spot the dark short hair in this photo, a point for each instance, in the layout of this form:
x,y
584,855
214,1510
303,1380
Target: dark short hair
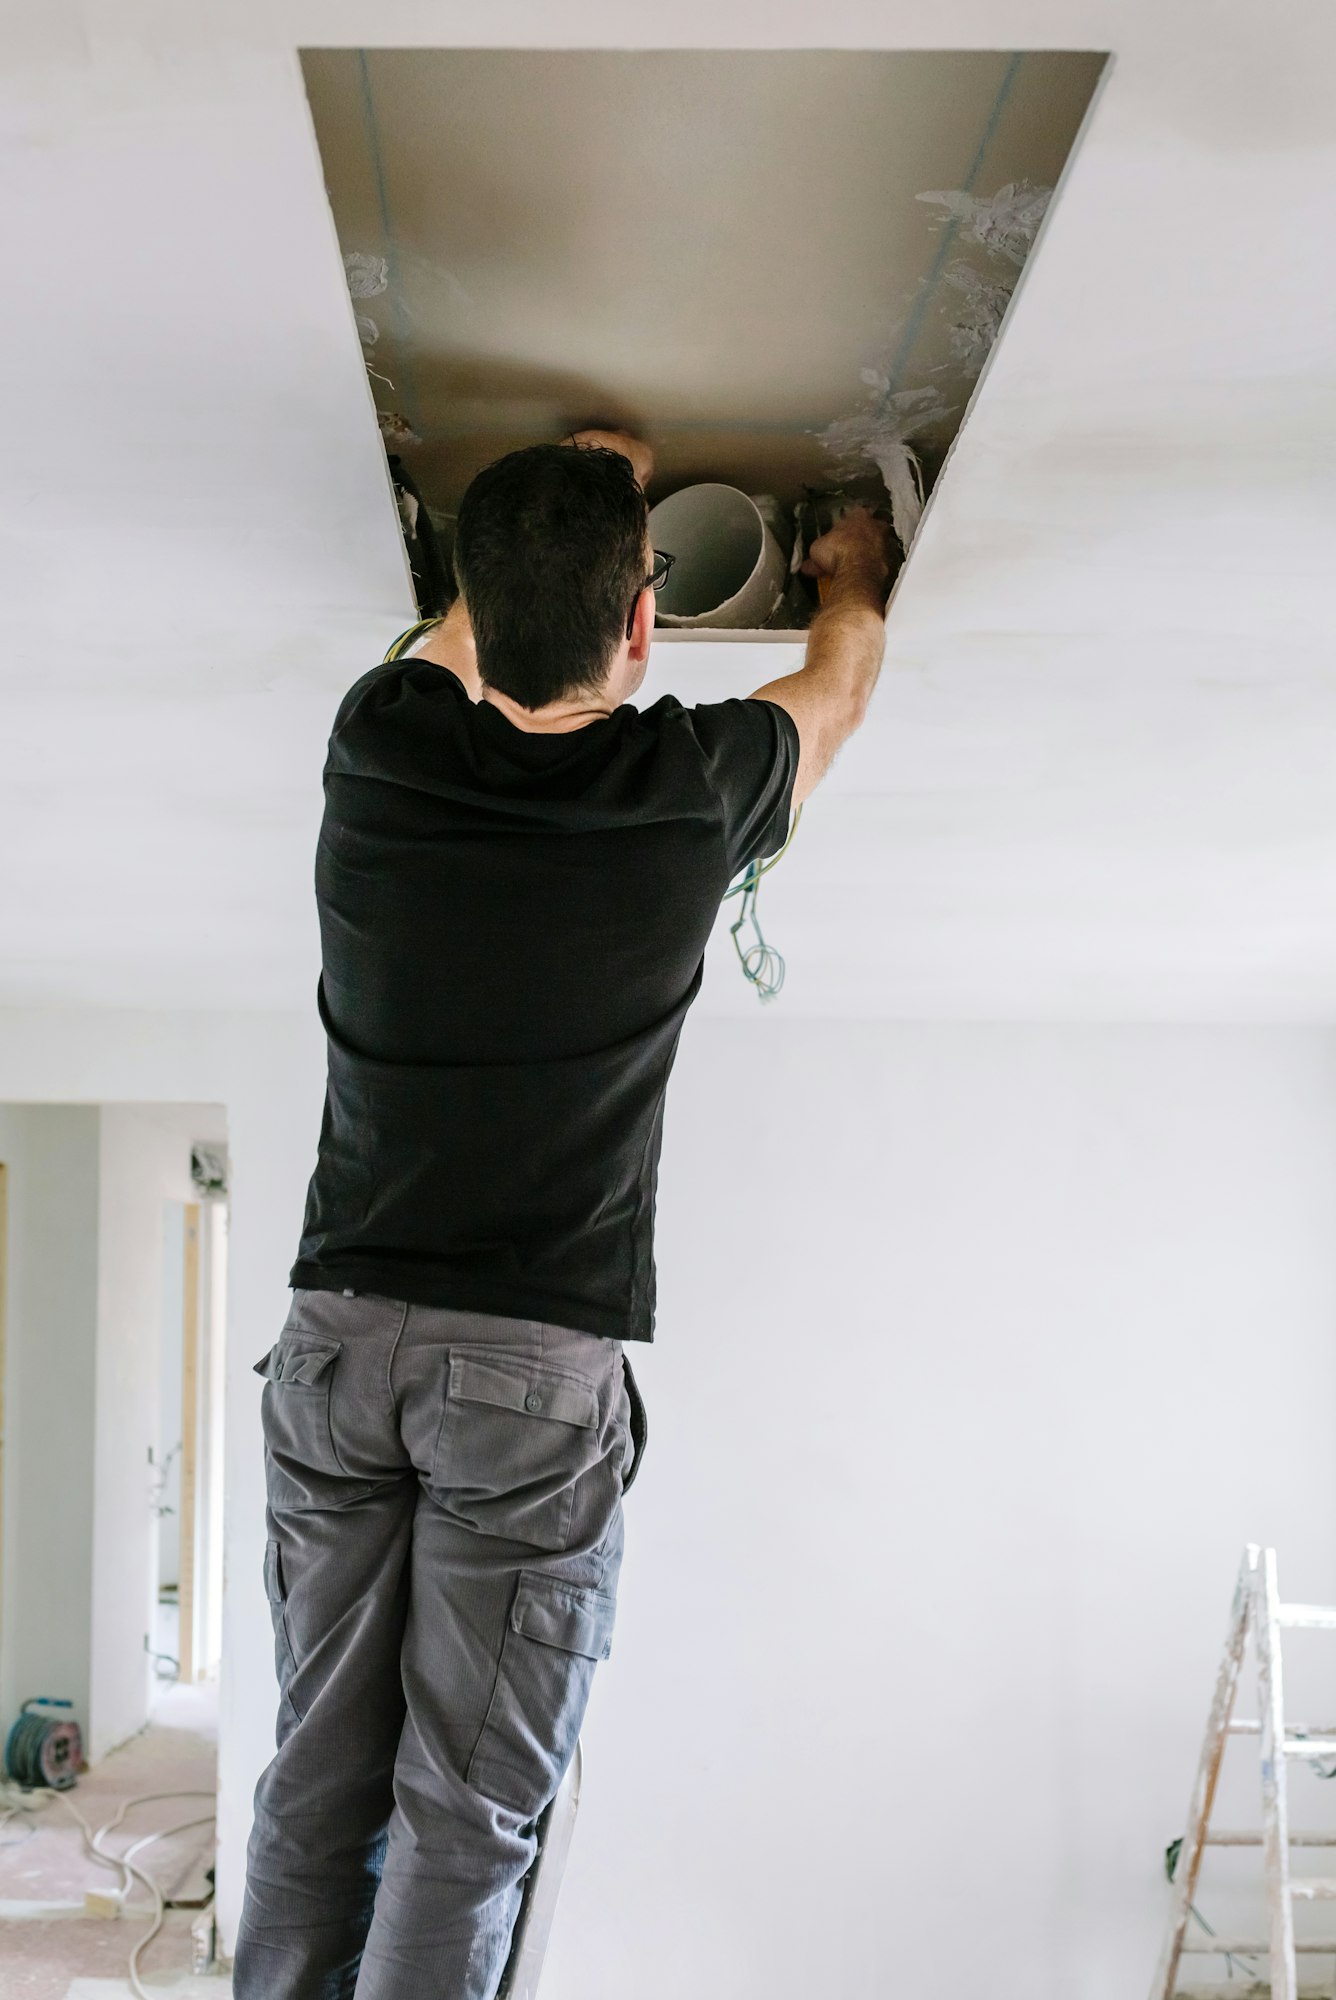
x,y
550,557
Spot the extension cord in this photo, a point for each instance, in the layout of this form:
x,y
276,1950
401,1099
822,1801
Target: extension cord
x,y
14,1799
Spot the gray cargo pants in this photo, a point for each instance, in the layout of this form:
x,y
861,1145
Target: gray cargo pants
x,y
445,1532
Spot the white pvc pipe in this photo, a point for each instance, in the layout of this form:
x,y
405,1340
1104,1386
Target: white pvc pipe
x,y
729,571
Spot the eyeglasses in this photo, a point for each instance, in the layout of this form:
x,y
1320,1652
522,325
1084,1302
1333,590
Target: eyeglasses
x,y
655,581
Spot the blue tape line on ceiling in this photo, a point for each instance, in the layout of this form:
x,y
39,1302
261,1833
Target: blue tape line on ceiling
x,y
404,386
663,426
928,289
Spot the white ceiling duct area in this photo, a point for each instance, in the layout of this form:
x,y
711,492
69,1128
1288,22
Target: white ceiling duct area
x,y
776,265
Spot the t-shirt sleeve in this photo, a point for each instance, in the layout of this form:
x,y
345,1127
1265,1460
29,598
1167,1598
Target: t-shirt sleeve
x,y
751,757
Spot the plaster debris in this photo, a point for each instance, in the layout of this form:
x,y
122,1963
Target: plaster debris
x,y
881,434
1005,224
396,429
985,301
368,275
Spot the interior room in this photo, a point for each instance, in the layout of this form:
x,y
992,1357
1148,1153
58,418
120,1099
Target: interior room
x,y
995,1271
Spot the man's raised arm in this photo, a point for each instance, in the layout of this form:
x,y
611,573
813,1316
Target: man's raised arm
x,y
828,696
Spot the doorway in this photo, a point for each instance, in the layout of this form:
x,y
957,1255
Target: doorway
x,y
188,1452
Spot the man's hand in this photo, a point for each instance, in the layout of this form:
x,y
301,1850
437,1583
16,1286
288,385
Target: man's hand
x,y
828,698
857,547
634,448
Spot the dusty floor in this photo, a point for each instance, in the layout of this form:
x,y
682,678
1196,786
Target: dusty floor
x,y
51,1950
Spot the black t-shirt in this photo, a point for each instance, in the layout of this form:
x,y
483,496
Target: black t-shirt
x,y
513,927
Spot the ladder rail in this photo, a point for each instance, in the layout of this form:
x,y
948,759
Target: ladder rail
x,y
1275,1788
1208,1776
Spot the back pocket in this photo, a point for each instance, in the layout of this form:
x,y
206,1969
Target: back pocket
x,y
514,1439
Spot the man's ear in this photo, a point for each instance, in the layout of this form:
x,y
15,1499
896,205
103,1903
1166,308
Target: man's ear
x,y
642,628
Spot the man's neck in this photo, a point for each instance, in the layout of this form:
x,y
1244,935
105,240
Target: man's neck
x,y
558,718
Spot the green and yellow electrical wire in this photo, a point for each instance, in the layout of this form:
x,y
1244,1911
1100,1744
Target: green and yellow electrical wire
x,y
408,639
761,964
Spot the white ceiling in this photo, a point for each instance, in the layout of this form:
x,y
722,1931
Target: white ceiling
x,y
1100,776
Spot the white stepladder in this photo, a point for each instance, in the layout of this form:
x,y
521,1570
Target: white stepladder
x,y
1257,1612
541,1887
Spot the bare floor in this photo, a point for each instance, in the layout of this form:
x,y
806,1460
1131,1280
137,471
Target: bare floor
x,y
49,1948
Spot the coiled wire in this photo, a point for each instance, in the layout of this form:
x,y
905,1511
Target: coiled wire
x,y
762,966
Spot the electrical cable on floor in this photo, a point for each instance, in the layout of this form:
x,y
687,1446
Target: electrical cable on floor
x,y
159,1900
128,1871
12,1813
16,1800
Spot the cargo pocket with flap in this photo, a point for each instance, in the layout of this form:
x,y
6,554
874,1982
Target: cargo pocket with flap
x,y
556,1635
515,1438
295,1410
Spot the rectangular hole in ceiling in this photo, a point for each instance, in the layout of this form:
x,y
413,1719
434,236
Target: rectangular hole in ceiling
x,y
771,264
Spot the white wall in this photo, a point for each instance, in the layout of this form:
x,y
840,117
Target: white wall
x,y
145,1161
959,1419
45,1641
958,1427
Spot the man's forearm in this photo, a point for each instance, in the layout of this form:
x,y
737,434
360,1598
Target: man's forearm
x,y
848,635
829,694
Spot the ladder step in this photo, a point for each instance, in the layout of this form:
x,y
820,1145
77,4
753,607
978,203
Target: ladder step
x,y
1232,1989
1309,1746
1248,1838
1307,1617
1248,1725
1313,1888
1242,1948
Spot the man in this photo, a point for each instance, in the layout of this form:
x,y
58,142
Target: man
x,y
517,875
